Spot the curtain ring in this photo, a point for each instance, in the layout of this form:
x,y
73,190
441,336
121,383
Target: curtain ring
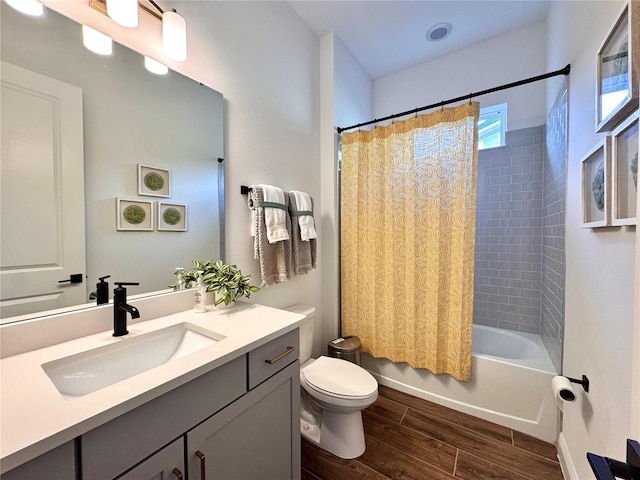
x,y
470,97
442,106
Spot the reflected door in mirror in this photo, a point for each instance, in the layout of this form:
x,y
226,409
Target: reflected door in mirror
x,y
42,193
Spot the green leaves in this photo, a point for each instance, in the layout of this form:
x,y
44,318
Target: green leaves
x,y
225,280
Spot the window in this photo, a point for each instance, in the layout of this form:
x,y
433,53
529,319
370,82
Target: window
x,y
492,126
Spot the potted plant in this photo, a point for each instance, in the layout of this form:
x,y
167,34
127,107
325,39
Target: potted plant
x,y
225,281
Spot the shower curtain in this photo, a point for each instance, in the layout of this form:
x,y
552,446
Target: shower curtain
x,y
408,202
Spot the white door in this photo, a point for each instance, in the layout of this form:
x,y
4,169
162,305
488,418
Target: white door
x,y
41,193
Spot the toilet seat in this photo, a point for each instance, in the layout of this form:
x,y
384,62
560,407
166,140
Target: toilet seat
x,y
339,378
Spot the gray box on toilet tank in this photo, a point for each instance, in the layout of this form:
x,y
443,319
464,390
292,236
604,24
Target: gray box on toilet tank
x,y
346,348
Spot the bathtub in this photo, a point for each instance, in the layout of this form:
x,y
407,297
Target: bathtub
x,y
510,382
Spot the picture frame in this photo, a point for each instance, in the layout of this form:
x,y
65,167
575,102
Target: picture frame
x,y
154,181
596,188
617,79
172,217
134,215
624,172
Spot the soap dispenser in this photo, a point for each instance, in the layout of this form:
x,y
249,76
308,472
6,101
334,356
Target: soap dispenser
x,y
180,283
102,290
201,295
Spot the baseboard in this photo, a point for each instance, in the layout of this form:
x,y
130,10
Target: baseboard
x,y
566,463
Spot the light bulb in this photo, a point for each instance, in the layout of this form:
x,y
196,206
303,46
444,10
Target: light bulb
x,y
174,36
96,42
123,12
155,66
28,7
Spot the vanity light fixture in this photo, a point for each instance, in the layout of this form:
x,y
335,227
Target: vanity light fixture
x,y
28,7
155,66
96,41
123,12
174,35
174,27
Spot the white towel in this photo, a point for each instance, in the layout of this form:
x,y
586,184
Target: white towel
x,y
275,218
306,222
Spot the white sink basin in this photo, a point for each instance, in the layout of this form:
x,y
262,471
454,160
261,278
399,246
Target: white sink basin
x,y
94,369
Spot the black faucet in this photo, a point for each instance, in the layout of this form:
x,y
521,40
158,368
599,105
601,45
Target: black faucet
x,y
102,291
120,309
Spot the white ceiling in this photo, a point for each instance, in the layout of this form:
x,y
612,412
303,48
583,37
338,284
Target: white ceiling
x,y
389,35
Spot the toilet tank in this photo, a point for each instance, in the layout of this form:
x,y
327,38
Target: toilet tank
x,y
306,329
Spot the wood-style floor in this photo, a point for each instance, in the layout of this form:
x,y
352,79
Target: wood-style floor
x,y
410,438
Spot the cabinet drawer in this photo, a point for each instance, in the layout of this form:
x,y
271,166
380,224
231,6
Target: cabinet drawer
x,y
272,357
116,446
167,463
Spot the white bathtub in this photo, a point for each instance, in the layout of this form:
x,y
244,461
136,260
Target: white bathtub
x,y
510,384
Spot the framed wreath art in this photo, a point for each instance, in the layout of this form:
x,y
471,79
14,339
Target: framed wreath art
x,y
154,181
596,185
172,217
134,215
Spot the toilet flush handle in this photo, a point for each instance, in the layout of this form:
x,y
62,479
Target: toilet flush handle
x,y
281,356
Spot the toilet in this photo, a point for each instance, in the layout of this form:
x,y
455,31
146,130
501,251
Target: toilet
x,y
333,393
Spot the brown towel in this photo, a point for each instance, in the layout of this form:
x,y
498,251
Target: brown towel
x,y
303,253
275,258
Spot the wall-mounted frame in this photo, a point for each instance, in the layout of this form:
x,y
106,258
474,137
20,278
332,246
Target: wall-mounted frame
x,y
624,172
134,215
154,181
617,80
172,217
596,191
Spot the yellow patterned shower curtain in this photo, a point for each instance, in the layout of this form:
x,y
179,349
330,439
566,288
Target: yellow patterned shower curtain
x,y
408,203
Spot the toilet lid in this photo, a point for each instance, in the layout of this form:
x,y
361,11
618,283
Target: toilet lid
x,y
338,377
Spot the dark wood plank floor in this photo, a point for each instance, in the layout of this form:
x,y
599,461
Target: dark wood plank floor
x,y
410,438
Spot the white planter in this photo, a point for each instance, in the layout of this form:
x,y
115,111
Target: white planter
x,y
221,305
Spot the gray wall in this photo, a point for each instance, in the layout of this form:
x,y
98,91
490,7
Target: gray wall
x,y
519,267
553,204
508,233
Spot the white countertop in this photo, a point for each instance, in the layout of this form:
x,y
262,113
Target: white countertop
x,y
35,417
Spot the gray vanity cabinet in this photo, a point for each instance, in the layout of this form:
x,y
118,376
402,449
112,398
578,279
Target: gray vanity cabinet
x,y
239,421
256,437
115,447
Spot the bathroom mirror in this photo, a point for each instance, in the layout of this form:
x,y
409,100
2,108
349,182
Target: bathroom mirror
x,y
170,124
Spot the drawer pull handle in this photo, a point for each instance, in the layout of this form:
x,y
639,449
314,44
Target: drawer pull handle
x,y
203,470
178,474
281,356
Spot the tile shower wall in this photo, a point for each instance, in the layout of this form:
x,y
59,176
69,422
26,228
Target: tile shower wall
x,y
553,204
509,233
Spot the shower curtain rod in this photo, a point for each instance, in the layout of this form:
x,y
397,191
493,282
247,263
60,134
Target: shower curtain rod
x,y
563,71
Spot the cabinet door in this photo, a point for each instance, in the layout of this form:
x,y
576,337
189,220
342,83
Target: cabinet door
x,y
113,448
166,464
256,437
